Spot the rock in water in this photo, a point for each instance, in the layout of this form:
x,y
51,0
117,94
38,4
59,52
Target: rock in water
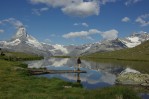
x,y
132,77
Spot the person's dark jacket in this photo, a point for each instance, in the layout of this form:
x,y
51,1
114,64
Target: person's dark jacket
x,y
79,61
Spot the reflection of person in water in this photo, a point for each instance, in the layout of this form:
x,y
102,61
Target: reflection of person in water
x,y
79,62
78,78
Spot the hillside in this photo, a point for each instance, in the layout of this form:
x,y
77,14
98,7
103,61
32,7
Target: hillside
x,y
138,53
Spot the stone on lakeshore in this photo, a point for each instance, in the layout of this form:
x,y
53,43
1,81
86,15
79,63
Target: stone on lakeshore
x,y
132,77
67,86
145,84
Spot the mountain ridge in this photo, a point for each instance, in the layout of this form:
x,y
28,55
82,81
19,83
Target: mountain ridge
x,y
23,42
138,53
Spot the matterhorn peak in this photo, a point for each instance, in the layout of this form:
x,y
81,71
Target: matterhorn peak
x,y
21,33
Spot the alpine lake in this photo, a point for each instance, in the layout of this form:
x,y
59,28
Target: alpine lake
x,y
98,74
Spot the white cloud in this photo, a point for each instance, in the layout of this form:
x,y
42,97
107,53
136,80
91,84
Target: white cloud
x,y
55,3
36,12
39,11
82,34
85,24
12,21
125,19
82,24
128,2
1,31
44,9
111,34
82,9
142,20
75,24
106,1
79,8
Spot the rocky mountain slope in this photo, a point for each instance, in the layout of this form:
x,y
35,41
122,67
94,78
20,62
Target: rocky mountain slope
x,y
111,45
104,46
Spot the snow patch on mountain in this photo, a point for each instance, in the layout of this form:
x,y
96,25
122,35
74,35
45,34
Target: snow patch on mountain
x,y
34,43
132,42
135,39
12,43
87,48
15,42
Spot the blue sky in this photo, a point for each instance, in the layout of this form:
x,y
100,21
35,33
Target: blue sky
x,y
74,21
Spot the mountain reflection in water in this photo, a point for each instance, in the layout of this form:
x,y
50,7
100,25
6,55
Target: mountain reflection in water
x,y
98,74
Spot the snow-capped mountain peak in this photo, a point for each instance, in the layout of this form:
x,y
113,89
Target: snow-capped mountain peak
x,y
135,39
22,36
21,33
23,42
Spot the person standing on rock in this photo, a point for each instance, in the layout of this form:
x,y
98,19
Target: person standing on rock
x,y
79,62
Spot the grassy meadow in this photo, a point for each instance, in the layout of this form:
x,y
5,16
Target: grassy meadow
x,y
17,83
18,56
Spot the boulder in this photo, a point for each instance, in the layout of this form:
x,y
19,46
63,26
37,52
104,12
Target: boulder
x,y
132,77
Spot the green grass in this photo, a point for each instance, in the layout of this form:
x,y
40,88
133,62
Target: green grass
x,y
17,83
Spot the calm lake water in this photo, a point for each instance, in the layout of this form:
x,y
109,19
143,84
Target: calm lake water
x,y
98,74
